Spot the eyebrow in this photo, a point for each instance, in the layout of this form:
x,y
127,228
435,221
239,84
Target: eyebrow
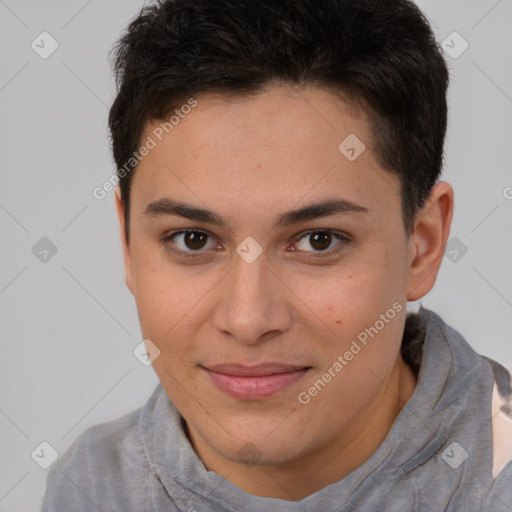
x,y
326,208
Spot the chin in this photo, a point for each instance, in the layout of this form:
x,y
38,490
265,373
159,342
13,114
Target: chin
x,y
259,442
262,452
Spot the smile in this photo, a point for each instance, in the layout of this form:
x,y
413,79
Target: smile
x,y
257,382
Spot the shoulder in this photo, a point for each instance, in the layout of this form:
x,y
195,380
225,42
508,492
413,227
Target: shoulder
x,y
102,464
501,417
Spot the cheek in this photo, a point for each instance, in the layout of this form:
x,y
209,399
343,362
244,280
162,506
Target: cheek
x,y
359,313
343,300
166,296
170,307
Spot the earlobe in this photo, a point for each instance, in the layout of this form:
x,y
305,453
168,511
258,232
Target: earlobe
x,y
429,239
124,242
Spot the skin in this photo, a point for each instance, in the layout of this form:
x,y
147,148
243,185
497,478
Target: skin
x,y
249,160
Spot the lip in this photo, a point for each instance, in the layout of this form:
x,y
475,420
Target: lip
x,y
255,382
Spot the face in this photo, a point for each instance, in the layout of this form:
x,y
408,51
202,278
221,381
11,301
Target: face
x,y
276,289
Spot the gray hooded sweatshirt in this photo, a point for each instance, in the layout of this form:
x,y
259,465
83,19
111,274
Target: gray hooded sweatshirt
x,y
450,449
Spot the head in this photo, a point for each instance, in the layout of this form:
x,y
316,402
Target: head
x,y
299,144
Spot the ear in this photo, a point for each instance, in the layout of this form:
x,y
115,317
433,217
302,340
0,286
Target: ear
x,y
124,242
428,241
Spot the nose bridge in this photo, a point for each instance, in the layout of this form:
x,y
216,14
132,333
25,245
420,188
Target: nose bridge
x,y
250,287
252,304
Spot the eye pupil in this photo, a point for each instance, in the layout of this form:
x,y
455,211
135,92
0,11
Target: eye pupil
x,y
195,240
320,240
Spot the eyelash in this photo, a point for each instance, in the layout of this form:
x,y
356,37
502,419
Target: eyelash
x,y
166,239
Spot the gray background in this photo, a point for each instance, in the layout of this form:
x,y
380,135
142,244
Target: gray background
x,y
69,325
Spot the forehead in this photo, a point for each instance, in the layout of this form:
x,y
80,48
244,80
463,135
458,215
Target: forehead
x,y
274,148
278,117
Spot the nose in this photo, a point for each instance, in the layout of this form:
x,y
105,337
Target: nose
x,y
254,304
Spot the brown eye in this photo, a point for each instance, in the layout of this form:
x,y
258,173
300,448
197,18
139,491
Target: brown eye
x,y
195,240
189,242
322,242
